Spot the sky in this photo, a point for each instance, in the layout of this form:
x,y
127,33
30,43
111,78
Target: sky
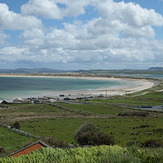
x,y
81,34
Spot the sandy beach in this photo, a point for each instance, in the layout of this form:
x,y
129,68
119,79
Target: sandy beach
x,y
106,92
139,85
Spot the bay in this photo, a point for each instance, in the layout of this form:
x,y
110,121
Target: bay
x,y
17,87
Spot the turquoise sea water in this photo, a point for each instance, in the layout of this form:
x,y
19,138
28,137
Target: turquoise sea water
x,y
14,87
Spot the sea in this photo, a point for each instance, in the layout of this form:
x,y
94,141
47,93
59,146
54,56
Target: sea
x,y
23,87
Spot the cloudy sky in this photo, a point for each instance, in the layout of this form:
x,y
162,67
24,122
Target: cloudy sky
x,y
81,34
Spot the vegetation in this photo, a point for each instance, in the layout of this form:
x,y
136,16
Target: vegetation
x,y
94,108
98,154
134,113
16,125
152,143
89,134
17,112
11,141
124,130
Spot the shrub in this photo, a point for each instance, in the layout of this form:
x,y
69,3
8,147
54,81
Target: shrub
x,y
133,143
16,125
134,113
2,150
152,143
158,130
143,126
53,142
88,134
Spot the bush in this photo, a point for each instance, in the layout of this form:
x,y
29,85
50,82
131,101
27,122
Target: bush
x,y
88,134
152,143
144,126
2,150
53,142
16,125
133,143
134,113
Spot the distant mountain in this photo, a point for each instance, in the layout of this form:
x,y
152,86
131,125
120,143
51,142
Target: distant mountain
x,y
94,71
27,70
156,69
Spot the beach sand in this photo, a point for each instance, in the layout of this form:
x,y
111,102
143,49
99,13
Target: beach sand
x,y
106,92
139,85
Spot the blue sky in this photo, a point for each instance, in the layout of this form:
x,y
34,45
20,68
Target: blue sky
x,y
81,34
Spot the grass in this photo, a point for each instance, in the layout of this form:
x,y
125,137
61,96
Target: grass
x,y
124,130
11,140
94,108
37,108
23,111
62,128
151,98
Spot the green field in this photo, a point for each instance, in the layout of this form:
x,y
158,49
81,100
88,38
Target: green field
x,y
94,108
16,112
151,98
11,140
124,130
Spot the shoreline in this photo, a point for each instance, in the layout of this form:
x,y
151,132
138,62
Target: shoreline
x,y
136,86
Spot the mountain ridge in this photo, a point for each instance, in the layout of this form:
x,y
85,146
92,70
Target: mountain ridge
x,y
48,70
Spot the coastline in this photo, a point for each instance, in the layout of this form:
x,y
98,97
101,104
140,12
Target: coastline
x,y
140,85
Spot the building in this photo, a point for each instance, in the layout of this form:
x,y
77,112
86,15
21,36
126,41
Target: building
x,y
4,102
29,149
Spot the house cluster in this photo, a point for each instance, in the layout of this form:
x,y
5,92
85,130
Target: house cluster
x,y
33,100
46,99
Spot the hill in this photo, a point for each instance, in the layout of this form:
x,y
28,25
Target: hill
x,y
155,69
93,71
28,70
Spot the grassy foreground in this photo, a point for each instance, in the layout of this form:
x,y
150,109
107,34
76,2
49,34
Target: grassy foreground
x,y
98,154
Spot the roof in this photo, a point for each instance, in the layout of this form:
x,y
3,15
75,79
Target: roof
x,y
28,149
4,102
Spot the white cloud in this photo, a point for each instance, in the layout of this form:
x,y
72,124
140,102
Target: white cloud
x,y
122,32
34,37
3,38
11,50
11,53
55,9
129,13
14,21
47,9
76,7
94,43
121,51
145,32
